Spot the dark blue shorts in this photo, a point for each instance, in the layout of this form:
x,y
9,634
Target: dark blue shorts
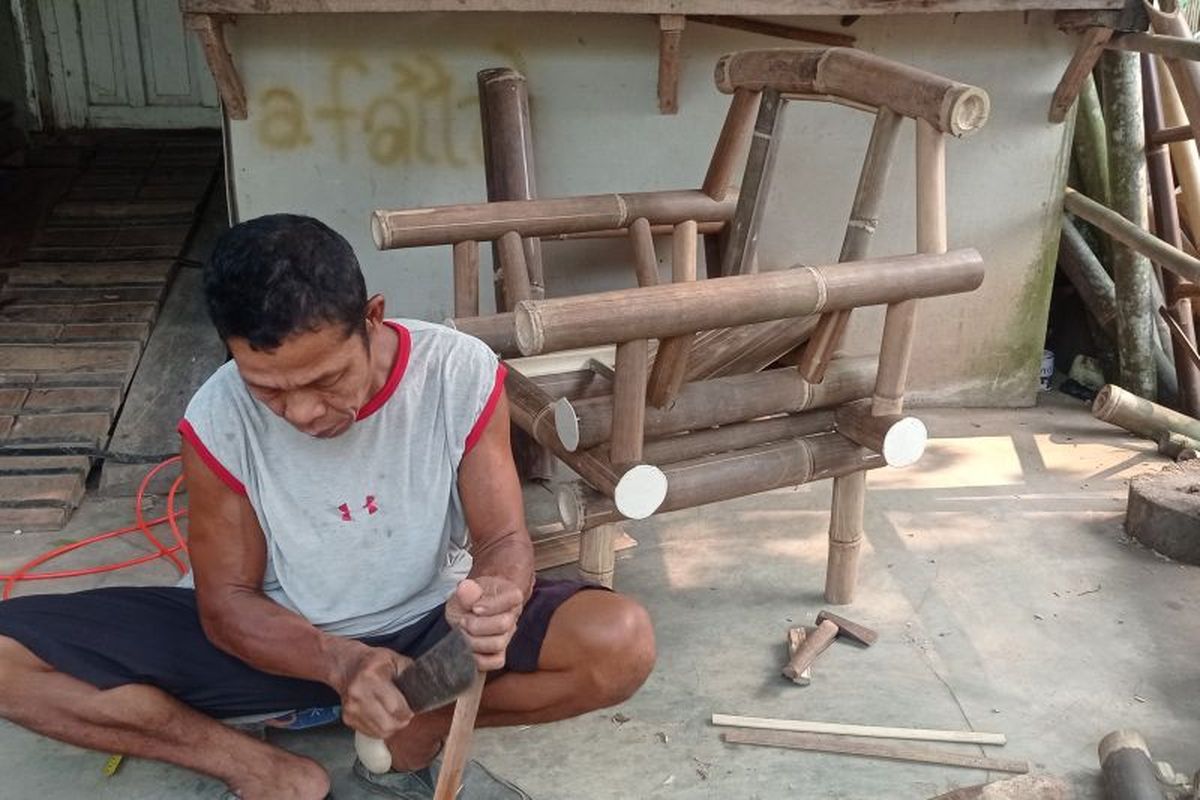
x,y
152,635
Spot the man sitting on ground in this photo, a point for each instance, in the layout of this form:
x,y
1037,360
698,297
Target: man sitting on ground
x,y
352,496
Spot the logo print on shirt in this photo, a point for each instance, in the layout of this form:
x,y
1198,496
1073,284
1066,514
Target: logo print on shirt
x,y
345,509
370,505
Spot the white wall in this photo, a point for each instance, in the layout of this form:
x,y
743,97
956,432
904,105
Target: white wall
x,y
352,113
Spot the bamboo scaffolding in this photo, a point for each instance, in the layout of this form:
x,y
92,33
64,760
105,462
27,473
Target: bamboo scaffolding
x,y
864,217
722,401
671,359
738,257
732,474
675,309
486,222
861,79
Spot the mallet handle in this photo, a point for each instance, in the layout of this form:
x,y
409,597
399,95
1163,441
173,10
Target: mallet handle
x,y
816,643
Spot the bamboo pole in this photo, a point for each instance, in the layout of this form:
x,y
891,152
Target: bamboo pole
x,y
466,279
845,537
737,473
704,228
1132,274
864,217
637,492
675,309
485,222
732,138
1184,156
1184,71
1175,133
1091,143
722,401
899,439
513,269
1166,224
742,244
1099,295
597,554
645,259
629,403
899,324
1141,416
860,78
497,331
736,436
670,362
1132,236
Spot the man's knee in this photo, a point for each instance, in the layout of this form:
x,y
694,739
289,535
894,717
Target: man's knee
x,y
619,650
15,662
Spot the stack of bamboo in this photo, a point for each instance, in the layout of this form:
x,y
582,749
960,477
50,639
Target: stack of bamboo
x,y
690,414
1132,219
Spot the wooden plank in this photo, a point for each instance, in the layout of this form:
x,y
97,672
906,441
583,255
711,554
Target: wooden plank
x,y
1087,53
77,295
63,490
851,746
11,400
69,358
33,519
867,731
42,332
74,398
670,34
84,313
775,29
106,273
29,465
739,7
211,30
90,428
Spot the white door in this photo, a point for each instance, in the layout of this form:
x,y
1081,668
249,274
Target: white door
x,y
126,64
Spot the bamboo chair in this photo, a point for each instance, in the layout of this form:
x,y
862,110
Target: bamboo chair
x,y
698,421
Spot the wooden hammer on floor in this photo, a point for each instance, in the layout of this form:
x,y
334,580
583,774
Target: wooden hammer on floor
x,y
445,674
829,627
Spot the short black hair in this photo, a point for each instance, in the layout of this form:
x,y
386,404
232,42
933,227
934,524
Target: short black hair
x,y
281,274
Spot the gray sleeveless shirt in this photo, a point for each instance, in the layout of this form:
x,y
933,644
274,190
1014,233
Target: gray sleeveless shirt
x,y
365,531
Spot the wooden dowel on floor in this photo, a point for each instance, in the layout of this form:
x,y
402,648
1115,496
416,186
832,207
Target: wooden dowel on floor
x,y
867,731
674,309
734,133
645,259
899,324
738,256
864,217
457,747
629,402
722,401
861,78
466,279
845,537
737,473
485,222
873,749
670,362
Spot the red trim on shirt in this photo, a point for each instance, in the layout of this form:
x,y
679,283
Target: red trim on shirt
x,y
393,380
489,408
188,432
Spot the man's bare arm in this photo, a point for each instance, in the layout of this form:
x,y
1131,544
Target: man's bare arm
x,y
228,555
494,507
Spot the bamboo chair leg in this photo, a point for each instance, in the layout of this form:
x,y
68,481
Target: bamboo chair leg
x,y
597,554
900,320
845,537
629,402
466,279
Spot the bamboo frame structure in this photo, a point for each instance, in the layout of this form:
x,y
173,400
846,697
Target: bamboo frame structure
x,y
688,416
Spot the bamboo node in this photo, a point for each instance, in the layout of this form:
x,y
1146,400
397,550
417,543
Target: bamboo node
x,y
530,334
863,224
846,544
622,210
822,289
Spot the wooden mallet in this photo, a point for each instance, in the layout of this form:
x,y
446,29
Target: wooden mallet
x,y
445,674
829,627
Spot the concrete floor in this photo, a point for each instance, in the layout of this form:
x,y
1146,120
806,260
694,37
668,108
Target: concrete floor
x,y
1006,597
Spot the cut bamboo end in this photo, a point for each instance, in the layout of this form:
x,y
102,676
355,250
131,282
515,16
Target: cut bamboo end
x,y
640,491
1122,740
566,424
900,440
904,443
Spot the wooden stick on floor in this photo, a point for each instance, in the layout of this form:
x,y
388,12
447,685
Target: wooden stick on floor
x,y
458,741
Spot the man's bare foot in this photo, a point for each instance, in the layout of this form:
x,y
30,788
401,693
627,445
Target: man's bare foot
x,y
288,777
